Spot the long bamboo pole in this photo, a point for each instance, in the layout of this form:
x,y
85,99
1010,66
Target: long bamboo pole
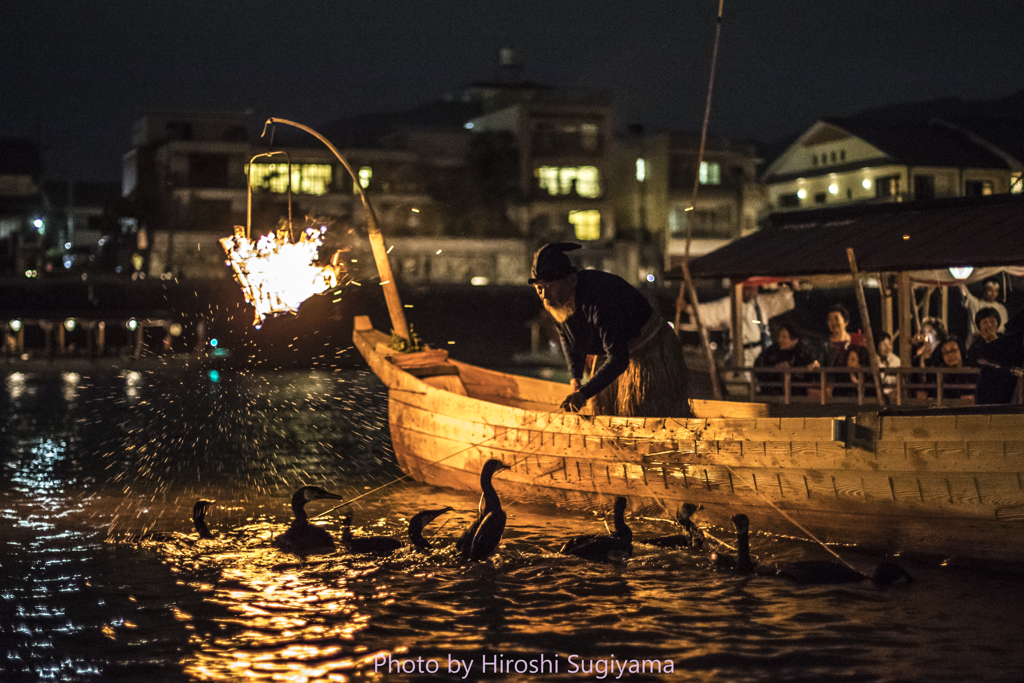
x,y
716,387
862,304
380,252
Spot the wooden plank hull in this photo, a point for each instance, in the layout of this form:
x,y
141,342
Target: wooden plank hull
x,y
938,484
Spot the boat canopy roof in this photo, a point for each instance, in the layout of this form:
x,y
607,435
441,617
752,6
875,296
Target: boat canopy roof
x,y
982,232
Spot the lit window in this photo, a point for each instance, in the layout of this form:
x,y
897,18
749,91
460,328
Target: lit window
x,y
365,175
587,224
306,178
710,173
548,177
587,183
316,179
1016,183
641,170
561,180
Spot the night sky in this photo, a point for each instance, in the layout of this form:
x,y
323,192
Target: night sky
x,y
81,71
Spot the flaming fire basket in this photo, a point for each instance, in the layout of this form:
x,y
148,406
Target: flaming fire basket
x,y
276,273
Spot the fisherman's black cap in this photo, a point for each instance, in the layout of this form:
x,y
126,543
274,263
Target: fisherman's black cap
x,y
550,262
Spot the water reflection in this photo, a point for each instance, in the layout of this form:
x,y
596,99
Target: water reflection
x,y
103,577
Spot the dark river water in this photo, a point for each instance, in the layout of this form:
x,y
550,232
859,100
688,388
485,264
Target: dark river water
x,y
103,578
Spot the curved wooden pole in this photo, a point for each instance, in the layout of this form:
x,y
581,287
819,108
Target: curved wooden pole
x,y
380,252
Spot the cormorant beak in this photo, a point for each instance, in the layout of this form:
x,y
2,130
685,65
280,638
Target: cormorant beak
x,y
434,514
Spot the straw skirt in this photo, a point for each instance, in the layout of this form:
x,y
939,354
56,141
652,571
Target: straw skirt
x,y
655,383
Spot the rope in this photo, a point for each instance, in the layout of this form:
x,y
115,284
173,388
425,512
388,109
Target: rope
x,y
436,462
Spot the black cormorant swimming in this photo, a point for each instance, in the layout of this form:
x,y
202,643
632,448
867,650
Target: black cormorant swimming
x,y
484,534
820,572
385,545
693,538
604,548
742,562
199,518
378,545
302,537
827,572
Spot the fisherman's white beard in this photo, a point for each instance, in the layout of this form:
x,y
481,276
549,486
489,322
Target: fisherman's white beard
x,y
561,313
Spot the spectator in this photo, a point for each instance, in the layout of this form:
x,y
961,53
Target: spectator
x,y
924,347
838,337
988,322
856,357
788,351
955,385
973,304
758,308
997,381
925,342
887,360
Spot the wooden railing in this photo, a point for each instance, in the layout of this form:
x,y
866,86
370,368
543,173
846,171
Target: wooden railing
x,y
911,384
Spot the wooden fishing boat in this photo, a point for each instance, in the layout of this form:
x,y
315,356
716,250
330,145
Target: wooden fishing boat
x,y
940,482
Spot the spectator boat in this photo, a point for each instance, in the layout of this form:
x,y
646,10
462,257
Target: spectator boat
x,y
944,483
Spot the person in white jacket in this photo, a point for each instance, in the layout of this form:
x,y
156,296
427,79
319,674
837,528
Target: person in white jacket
x,y
758,309
988,300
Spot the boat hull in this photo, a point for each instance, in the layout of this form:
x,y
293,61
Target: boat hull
x,y
947,485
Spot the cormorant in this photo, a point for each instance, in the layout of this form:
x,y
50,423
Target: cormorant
x,y
378,545
199,517
484,534
742,561
694,538
827,572
385,545
604,548
302,537
820,572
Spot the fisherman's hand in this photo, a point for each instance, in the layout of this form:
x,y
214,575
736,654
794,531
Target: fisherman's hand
x,y
574,384
573,402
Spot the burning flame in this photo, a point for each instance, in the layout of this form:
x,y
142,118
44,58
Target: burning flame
x,y
277,274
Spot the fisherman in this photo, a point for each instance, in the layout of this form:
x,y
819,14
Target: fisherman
x,y
599,314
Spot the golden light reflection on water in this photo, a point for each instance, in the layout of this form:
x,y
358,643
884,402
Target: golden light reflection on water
x,y
281,618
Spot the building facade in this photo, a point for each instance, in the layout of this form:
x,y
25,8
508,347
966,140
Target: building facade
x,y
842,161
565,145
655,185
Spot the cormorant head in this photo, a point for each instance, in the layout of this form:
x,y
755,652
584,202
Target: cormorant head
x,y
492,467
684,514
199,517
620,504
742,523
890,574
421,520
308,493
200,508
